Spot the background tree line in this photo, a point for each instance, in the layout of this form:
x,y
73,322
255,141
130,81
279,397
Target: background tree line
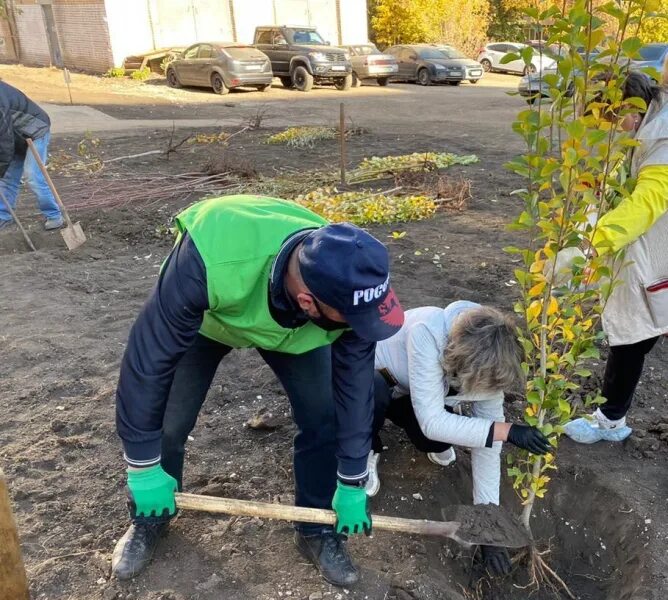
x,y
469,24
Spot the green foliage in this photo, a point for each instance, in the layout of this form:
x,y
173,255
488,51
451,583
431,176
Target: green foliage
x,y
141,74
374,168
364,208
115,72
169,58
570,182
303,137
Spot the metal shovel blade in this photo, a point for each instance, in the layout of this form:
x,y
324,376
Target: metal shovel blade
x,y
73,235
487,525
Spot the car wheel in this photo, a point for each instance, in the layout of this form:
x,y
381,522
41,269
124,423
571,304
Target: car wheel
x,y
172,79
423,77
474,80
264,88
218,84
357,82
383,81
302,79
529,70
344,83
486,65
454,82
287,82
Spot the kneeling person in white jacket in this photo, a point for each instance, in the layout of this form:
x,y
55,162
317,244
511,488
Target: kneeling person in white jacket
x,y
441,357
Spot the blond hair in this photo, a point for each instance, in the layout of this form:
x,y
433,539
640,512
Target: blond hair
x,y
483,352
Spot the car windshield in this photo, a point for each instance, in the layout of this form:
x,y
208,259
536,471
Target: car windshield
x,y
242,52
652,52
451,52
366,50
306,36
431,53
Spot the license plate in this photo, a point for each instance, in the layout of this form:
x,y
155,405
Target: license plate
x,y
476,73
253,67
338,68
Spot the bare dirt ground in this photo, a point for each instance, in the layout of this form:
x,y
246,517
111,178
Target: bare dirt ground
x,y
64,320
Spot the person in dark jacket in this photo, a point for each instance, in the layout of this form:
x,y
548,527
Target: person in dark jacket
x,y
22,119
313,298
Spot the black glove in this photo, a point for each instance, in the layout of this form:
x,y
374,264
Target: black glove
x,y
496,560
529,438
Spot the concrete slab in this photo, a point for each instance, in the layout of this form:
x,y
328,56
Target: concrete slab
x,y
80,119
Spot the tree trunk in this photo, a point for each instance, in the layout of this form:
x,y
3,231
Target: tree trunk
x,y
13,580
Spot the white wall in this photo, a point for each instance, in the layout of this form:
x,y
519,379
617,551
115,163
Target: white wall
x,y
165,23
354,21
251,14
137,26
322,14
128,35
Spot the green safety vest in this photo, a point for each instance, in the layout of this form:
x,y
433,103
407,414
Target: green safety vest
x,y
238,238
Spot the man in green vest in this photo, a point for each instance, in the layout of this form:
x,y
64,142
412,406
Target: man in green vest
x,y
313,298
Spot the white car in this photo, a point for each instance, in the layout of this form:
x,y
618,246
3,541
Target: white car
x,y
490,58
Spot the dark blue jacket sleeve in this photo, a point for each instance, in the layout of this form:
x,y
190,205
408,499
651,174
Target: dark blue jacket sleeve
x,y
352,380
6,140
166,327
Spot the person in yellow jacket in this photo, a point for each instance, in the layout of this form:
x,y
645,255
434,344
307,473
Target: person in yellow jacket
x,y
636,314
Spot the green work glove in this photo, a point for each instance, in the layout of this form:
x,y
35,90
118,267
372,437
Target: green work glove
x,y
351,505
151,492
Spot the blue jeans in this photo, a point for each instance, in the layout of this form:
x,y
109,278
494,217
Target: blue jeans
x,y
11,182
307,380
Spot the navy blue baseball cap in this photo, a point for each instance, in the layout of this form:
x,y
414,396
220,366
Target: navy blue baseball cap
x,y
348,269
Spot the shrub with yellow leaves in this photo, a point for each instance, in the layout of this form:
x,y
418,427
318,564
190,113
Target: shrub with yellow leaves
x,y
303,137
363,208
567,189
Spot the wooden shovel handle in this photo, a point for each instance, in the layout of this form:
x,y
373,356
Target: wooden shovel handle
x,y
284,512
26,237
54,191
13,580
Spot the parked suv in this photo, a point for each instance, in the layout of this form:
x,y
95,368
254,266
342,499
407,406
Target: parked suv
x,y
300,57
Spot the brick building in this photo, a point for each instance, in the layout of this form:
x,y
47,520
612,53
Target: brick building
x,y
95,35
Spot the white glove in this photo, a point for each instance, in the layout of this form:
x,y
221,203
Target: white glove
x,y
562,267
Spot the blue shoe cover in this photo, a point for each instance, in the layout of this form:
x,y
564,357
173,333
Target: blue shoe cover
x,y
584,432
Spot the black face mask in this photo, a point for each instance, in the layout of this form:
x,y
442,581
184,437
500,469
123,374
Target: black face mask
x,y
325,322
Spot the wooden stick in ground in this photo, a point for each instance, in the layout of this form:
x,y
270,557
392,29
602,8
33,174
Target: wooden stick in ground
x,y
18,223
342,139
284,512
13,580
54,191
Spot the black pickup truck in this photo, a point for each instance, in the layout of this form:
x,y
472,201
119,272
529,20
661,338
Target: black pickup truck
x,y
300,57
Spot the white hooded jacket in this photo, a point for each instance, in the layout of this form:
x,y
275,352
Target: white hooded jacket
x,y
637,309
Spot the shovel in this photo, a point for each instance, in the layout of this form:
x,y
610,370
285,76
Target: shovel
x,y
476,525
72,233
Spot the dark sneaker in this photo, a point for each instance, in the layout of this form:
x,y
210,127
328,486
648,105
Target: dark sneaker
x,y
328,552
51,224
135,549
